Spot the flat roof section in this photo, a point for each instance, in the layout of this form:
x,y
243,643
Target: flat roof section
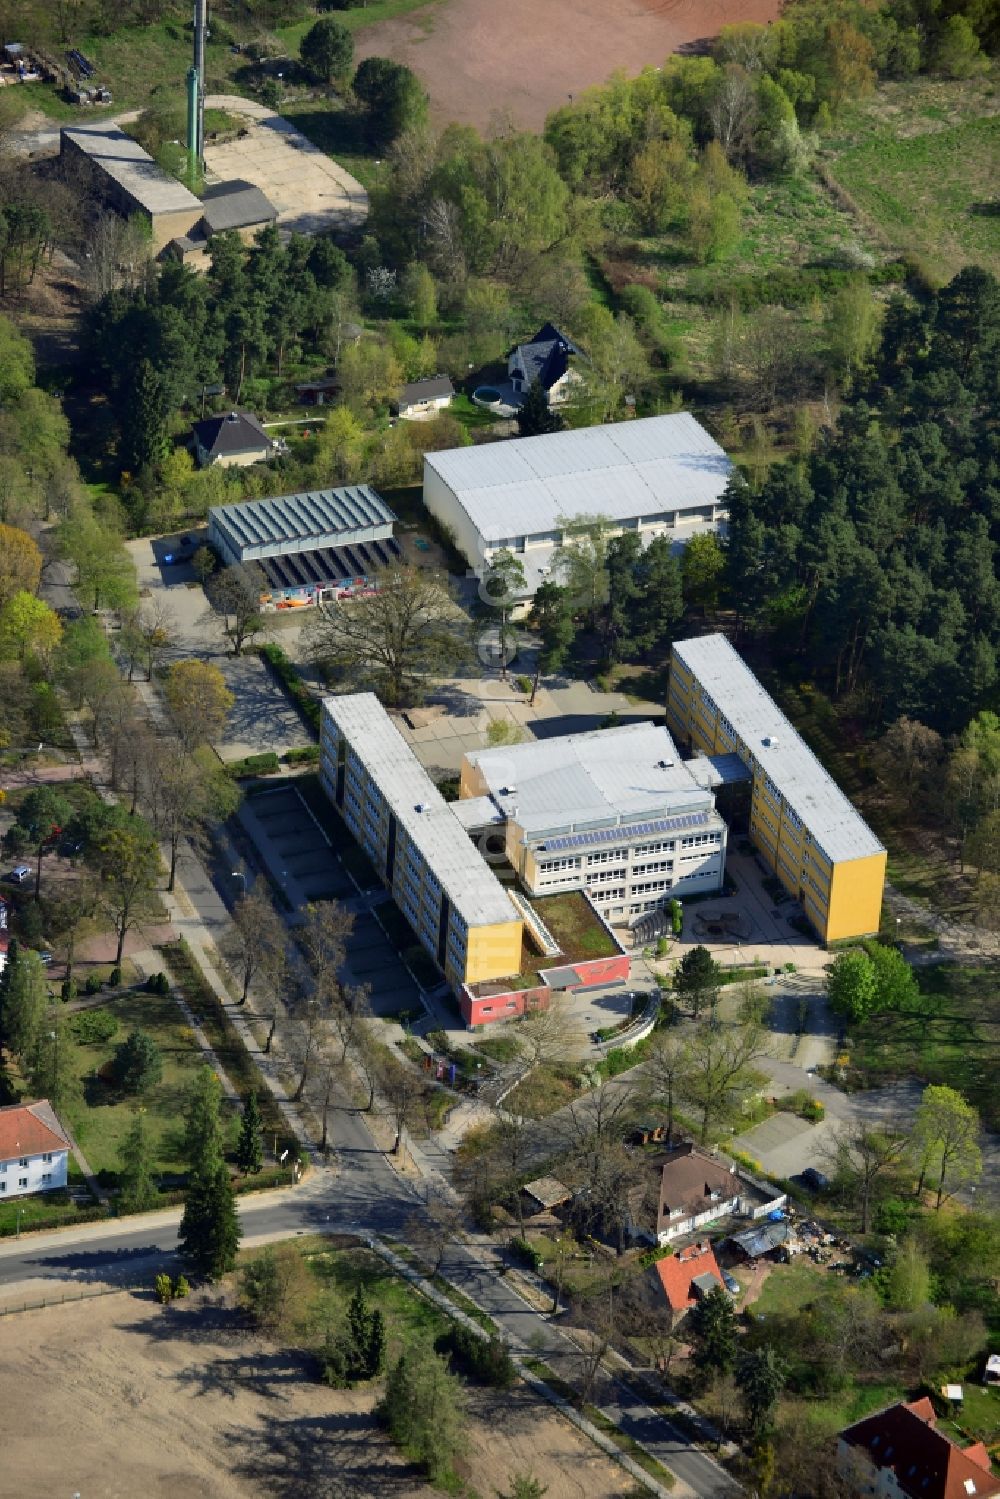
x,y
608,776
131,167
472,888
783,755
530,485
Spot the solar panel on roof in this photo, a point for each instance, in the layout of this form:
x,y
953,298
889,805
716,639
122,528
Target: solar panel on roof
x,y
629,831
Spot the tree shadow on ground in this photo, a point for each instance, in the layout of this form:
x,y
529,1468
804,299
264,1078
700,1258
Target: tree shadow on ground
x,y
342,1455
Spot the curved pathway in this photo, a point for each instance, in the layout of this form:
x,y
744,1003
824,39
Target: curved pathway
x,y
313,195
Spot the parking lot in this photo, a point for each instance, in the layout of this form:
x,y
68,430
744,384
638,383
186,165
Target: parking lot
x,y
301,857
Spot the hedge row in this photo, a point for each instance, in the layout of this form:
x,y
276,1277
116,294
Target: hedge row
x,y
288,675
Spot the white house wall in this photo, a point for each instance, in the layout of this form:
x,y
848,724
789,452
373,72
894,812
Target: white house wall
x,y
33,1173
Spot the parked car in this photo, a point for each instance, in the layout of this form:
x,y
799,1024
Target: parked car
x,y
21,874
45,958
731,1284
814,1180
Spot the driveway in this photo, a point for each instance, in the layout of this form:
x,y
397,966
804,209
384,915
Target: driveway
x,y
313,195
262,717
305,863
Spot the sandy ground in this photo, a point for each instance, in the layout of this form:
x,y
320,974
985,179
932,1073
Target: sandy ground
x,y
117,1397
526,57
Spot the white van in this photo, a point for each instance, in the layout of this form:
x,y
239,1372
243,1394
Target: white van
x,y
21,874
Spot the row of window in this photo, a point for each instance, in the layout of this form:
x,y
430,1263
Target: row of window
x,y
23,1162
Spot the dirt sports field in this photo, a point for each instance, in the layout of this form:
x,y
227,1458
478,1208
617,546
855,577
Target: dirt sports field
x,y
525,57
120,1398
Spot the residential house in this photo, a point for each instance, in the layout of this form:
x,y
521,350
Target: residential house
x,y
900,1452
423,399
34,1149
687,1276
234,440
688,1188
545,358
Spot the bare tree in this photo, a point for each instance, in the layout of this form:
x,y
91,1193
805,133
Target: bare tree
x,y
182,796
117,253
862,1156
551,1034
666,1074
722,1076
733,111
235,595
254,945
407,629
431,1227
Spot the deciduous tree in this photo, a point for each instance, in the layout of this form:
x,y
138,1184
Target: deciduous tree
x,y
137,1189
254,945
235,595
199,701
409,629
128,863
946,1139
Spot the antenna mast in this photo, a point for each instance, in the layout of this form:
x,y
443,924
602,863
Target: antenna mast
x,y
196,91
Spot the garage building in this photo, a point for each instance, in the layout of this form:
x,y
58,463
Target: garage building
x,y
312,547
659,476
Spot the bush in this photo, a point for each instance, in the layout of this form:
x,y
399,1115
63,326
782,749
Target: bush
x,y
181,1287
482,1359
91,1027
306,754
164,1288
265,764
93,984
523,684
288,675
67,991
525,1252
158,983
115,978
138,1063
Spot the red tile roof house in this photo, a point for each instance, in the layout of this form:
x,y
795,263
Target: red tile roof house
x,y
688,1188
34,1150
899,1452
687,1276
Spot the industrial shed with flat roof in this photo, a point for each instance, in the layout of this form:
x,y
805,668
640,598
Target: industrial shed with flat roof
x,y
131,181
661,475
311,546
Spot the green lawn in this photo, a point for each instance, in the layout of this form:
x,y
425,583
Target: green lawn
x,y
102,1119
409,1316
922,160
953,1038
979,1417
370,14
789,1288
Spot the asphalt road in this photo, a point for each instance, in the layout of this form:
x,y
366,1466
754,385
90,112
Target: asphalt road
x,y
364,1195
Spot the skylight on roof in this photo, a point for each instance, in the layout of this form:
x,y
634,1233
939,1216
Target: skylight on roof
x,y
969,1486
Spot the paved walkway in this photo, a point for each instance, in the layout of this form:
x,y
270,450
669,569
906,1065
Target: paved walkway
x,y
313,195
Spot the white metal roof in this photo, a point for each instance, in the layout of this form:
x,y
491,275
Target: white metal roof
x,y
781,753
472,888
131,167
627,469
603,778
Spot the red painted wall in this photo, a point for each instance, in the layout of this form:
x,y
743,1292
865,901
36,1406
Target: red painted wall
x,y
483,1010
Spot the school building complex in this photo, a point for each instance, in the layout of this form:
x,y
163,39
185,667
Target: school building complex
x,y
616,812
808,832
501,952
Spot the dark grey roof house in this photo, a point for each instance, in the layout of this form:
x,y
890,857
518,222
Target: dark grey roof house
x,y
425,397
545,358
235,439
